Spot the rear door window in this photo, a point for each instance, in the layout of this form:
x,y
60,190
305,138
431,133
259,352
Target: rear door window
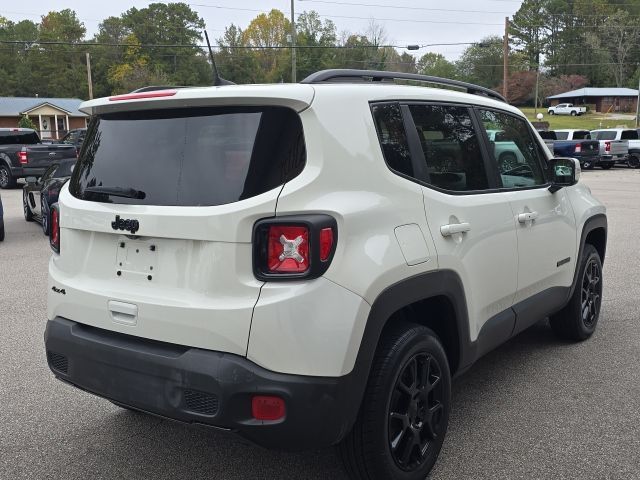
x,y
189,157
18,138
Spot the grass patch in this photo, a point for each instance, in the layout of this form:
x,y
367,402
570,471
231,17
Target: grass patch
x,y
588,121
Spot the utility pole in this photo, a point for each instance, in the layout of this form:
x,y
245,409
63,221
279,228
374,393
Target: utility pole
x,y
638,105
505,53
535,106
293,45
89,77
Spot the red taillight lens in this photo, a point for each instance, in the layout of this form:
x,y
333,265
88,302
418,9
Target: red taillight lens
x,y
54,236
137,96
607,146
288,249
267,408
578,148
326,243
22,156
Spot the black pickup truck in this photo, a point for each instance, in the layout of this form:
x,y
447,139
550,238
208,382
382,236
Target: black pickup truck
x,y
22,154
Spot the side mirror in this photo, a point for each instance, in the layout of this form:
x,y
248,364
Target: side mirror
x,y
564,173
31,180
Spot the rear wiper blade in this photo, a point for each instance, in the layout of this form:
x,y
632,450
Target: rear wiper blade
x,y
117,192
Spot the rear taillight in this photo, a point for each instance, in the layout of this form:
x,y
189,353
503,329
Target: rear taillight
x,y
23,157
607,146
578,148
293,247
54,235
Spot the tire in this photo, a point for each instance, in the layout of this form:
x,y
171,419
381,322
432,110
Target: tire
x,y
634,161
588,165
579,318
412,416
28,214
551,112
606,166
44,211
507,161
6,179
573,113
1,229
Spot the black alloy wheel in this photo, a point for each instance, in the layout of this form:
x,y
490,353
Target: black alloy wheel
x,y
591,294
44,213
28,214
587,165
416,411
579,318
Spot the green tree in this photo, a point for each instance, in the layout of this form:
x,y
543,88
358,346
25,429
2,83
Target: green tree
x,y
528,30
236,63
482,63
436,64
267,33
26,122
319,38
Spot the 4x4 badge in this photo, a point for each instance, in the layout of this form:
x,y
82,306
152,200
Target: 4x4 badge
x,y
122,224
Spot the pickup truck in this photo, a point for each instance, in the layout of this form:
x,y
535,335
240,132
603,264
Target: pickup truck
x,y
566,109
22,154
614,136
616,145
579,146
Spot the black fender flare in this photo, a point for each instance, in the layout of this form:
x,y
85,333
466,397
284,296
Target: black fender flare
x,y
592,223
423,286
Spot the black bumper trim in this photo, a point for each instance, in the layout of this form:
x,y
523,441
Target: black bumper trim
x,y
153,377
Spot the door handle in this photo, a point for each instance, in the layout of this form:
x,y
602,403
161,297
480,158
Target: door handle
x,y
453,228
527,217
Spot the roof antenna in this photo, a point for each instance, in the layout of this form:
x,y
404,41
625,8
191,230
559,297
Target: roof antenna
x,y
217,79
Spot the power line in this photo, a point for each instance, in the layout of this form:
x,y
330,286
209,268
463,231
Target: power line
x,y
400,7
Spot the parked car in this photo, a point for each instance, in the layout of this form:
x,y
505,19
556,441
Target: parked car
x,y
566,109
548,136
577,144
1,221
22,154
507,152
39,195
613,148
629,135
74,137
309,264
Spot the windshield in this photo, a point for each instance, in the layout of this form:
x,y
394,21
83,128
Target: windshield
x,y
188,157
562,135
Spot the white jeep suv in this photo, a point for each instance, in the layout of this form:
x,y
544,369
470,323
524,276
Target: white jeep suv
x,y
309,265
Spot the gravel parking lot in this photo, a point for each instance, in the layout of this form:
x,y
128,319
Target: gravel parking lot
x,y
534,408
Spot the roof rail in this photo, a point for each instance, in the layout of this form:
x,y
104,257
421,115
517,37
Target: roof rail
x,y
346,75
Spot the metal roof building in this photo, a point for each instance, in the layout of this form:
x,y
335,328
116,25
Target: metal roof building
x,y
604,99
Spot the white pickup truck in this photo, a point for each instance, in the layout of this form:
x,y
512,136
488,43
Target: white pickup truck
x,y
567,109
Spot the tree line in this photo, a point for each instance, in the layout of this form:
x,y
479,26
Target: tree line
x,y
563,44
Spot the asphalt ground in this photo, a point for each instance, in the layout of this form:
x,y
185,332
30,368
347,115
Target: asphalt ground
x,y
535,408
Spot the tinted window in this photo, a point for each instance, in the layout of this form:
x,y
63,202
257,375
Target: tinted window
x,y
19,138
393,138
514,149
582,135
603,135
562,135
189,157
549,134
451,148
629,135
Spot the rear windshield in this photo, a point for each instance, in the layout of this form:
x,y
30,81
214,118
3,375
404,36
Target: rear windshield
x,y
582,135
604,135
562,135
548,135
189,157
64,170
18,138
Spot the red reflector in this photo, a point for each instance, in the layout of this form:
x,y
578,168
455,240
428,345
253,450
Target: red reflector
x,y
267,408
54,238
578,148
288,249
134,96
326,243
22,157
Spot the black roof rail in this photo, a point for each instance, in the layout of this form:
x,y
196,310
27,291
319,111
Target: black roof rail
x,y
153,88
346,75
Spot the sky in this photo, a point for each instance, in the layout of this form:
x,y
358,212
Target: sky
x,y
407,22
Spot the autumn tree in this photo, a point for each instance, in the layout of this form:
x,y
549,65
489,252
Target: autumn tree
x,y
267,34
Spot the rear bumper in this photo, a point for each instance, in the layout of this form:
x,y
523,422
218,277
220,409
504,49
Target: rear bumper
x,y
21,172
193,385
